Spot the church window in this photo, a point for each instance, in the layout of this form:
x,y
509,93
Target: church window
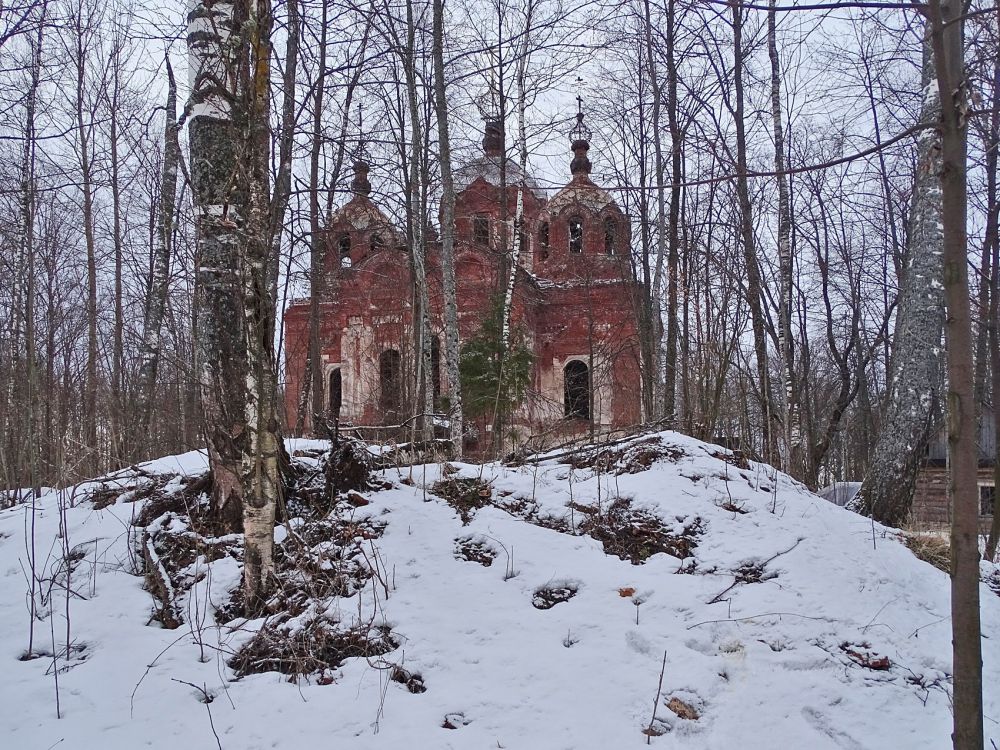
x,y
576,390
543,240
481,230
376,243
344,250
390,378
610,235
576,235
336,394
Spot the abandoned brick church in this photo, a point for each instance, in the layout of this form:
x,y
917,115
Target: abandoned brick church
x,y
575,298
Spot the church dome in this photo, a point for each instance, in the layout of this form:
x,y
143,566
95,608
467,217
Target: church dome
x,y
487,167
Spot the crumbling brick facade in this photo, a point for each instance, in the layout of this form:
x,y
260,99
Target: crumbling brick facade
x,y
575,300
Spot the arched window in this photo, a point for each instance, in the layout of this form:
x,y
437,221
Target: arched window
x,y
576,390
390,379
336,393
576,235
543,240
610,235
481,230
376,243
344,250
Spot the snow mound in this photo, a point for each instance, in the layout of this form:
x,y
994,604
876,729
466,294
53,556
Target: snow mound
x,y
659,590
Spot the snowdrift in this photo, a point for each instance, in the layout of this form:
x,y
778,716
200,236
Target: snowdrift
x,y
659,591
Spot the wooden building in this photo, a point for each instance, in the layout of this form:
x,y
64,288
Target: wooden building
x,y
931,508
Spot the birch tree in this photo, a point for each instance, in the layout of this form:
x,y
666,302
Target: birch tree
x,y
230,52
792,449
156,302
915,370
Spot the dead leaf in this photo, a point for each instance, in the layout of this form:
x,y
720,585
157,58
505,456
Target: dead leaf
x,y
682,709
626,592
357,500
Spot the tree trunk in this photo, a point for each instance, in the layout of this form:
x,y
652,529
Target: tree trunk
x,y
661,211
424,391
991,245
754,287
915,369
261,461
220,217
83,128
673,245
156,302
521,72
28,228
452,345
317,248
792,439
947,40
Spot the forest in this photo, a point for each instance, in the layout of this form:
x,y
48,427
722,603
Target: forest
x,y
812,190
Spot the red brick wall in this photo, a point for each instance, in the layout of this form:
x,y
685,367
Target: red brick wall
x,y
572,306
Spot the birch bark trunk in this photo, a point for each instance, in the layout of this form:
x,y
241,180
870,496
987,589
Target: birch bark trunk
x,y
156,302
792,438
261,461
220,223
519,234
915,371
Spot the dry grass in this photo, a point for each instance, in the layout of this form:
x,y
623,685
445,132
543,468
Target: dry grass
x,y
931,547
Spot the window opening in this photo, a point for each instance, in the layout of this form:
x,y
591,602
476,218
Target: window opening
x,y
576,235
576,390
543,240
390,380
344,250
481,230
610,235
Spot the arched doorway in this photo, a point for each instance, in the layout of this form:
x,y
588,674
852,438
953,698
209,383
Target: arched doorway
x,y
390,379
336,394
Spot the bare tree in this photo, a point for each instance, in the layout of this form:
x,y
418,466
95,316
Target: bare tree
x,y
452,347
156,301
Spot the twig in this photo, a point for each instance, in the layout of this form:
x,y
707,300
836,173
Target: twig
x,y
656,701
208,699
755,617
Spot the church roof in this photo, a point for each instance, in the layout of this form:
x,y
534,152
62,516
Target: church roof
x,y
580,192
488,168
361,214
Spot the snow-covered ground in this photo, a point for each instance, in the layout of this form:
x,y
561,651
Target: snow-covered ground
x,y
793,624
